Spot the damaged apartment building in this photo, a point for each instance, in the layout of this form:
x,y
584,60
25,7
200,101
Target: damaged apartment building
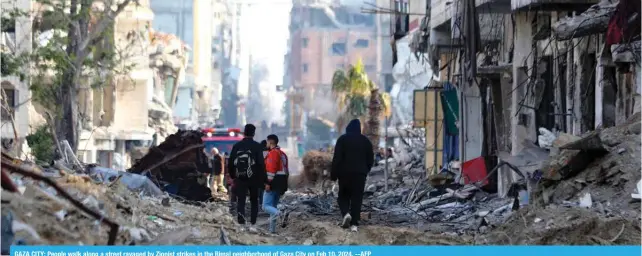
x,y
326,37
115,118
564,66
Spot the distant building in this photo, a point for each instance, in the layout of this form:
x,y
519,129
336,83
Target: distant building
x,y
198,24
326,37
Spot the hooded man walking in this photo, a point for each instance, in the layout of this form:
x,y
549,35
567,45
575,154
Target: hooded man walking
x,y
353,158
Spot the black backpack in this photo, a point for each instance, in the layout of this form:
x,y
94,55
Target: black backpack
x,y
243,163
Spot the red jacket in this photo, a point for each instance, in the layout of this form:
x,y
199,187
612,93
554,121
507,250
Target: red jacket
x,y
276,167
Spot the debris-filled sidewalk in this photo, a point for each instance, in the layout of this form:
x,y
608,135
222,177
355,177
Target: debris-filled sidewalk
x,y
585,192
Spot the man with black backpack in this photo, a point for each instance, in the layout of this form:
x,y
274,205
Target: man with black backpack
x,y
246,166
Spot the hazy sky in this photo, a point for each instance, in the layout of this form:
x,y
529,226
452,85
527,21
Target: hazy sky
x,y
269,34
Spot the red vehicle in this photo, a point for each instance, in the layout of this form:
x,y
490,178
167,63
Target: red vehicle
x,y
221,138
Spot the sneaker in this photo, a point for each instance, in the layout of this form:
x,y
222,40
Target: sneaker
x,y
346,221
252,229
354,228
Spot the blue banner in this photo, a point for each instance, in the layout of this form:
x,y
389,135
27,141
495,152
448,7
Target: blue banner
x,y
323,250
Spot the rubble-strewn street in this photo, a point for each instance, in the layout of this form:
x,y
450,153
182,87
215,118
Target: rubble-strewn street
x,y
593,206
430,122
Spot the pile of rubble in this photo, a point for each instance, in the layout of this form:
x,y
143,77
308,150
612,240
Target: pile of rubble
x,y
588,192
580,185
603,167
178,166
49,206
584,191
316,168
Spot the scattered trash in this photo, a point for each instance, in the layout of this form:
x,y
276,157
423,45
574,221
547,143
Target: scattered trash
x,y
133,181
638,191
586,201
546,138
60,215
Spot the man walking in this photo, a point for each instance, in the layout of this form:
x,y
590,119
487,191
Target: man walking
x,y
247,169
276,166
217,183
353,158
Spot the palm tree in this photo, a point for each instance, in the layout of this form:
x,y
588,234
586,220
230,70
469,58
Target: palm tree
x,y
358,98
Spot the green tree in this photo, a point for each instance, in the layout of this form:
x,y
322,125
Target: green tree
x,y
42,144
359,98
80,52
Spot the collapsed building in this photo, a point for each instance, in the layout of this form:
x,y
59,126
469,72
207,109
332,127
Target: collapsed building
x,y
538,69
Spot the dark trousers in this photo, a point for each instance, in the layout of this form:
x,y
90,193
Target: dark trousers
x,y
233,199
351,189
242,188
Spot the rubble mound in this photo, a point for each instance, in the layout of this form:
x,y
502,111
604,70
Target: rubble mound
x,y
173,144
558,225
177,164
40,215
609,179
315,162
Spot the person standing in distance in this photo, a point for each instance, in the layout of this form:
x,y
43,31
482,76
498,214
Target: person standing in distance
x,y
276,166
353,158
217,182
247,169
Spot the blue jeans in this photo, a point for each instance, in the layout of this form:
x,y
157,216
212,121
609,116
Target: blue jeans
x,y
270,201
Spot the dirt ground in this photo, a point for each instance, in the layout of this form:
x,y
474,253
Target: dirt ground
x,y
148,222
41,219
562,225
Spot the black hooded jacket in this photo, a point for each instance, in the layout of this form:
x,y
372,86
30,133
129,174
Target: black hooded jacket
x,y
353,153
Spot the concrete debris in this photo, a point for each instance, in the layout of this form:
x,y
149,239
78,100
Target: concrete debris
x,y
563,226
597,165
573,200
638,191
176,165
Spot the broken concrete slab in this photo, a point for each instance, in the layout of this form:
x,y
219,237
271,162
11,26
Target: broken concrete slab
x,y
590,141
